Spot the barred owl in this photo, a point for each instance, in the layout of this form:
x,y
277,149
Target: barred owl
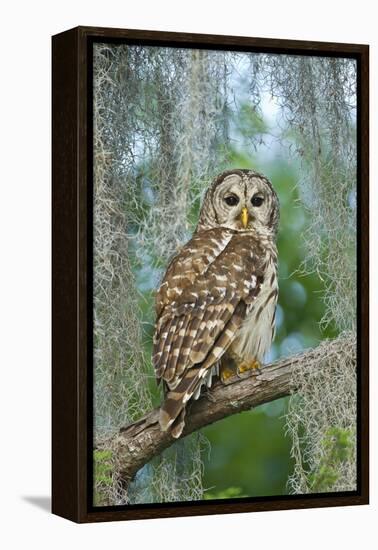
x,y
215,308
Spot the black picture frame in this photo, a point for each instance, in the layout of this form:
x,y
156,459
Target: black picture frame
x,y
72,232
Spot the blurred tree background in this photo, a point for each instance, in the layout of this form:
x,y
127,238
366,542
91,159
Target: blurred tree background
x,y
166,122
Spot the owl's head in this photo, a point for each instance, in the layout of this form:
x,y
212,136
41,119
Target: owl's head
x,y
242,200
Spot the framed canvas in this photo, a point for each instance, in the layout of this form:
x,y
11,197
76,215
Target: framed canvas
x,y
210,274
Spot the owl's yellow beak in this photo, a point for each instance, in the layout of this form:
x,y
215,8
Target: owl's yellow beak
x,y
244,217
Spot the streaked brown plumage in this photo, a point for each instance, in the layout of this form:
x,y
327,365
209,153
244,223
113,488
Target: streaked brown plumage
x,y
216,303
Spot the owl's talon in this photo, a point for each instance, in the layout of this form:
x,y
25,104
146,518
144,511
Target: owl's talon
x,y
226,373
249,367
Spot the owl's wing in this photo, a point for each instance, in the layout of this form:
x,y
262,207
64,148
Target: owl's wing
x,y
201,304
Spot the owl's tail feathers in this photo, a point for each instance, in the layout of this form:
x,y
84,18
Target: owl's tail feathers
x,y
172,411
172,416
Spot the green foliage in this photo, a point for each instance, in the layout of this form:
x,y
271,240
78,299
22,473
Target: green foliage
x,y
249,122
230,492
337,444
250,451
103,476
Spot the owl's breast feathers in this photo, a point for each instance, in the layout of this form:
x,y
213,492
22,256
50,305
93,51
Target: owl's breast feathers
x,y
208,291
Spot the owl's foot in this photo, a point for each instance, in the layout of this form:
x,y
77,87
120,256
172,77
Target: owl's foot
x,y
249,367
226,373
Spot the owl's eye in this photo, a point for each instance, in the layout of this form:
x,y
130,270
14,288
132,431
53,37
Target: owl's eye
x,y
231,200
257,200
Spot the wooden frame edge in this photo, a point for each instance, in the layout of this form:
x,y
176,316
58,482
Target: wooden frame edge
x,y
64,274
70,136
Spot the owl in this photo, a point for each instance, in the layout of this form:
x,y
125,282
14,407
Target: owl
x,y
215,308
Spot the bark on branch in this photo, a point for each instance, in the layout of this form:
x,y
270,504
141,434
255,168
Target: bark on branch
x,y
136,444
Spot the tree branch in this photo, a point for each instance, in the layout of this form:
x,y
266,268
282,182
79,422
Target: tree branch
x,y
136,444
